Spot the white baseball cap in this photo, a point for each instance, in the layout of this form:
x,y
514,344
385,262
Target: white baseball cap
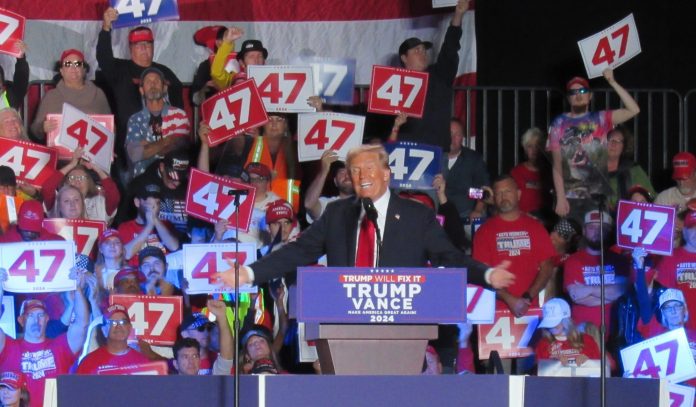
x,y
672,294
555,310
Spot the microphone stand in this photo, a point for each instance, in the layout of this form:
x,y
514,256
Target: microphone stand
x,y
602,301
236,193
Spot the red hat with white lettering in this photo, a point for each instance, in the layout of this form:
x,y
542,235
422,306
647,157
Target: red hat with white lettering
x,y
31,216
13,380
277,210
683,165
116,309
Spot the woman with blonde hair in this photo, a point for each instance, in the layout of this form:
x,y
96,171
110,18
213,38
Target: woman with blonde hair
x,y
561,340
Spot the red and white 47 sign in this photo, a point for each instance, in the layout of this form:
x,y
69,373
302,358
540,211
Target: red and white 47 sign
x,y
32,163
284,88
508,334
681,396
154,318
395,90
84,233
207,198
666,356
318,132
37,267
645,225
106,120
201,261
11,31
611,47
79,130
233,111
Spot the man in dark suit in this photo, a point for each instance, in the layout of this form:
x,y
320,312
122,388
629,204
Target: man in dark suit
x,y
412,236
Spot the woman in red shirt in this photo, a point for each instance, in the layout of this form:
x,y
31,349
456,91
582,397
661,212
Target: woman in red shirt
x,y
561,340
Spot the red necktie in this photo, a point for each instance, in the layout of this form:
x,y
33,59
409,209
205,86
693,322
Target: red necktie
x,y
365,256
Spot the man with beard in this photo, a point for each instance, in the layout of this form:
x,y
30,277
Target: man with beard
x,y
581,278
170,174
578,146
153,265
314,203
156,130
124,75
147,229
684,174
517,237
34,354
116,353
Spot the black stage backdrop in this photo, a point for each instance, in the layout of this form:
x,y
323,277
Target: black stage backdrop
x,y
534,42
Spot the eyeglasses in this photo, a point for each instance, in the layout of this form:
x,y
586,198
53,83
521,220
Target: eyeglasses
x,y
579,91
673,308
80,178
117,322
74,64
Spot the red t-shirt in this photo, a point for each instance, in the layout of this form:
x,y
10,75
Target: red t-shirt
x,y
38,361
583,268
524,242
529,183
101,359
554,350
129,230
679,271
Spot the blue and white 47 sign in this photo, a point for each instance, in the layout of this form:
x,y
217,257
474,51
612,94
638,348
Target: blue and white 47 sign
x,y
334,78
137,12
413,165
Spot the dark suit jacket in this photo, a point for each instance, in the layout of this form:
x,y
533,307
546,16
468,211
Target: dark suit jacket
x,y
411,237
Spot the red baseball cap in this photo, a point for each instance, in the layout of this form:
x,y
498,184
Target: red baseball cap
x,y
578,80
108,234
13,380
277,210
259,169
116,309
71,51
31,304
683,164
31,216
129,271
140,34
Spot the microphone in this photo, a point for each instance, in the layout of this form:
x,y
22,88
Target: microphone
x,y
237,192
370,210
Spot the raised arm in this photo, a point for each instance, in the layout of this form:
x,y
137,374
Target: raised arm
x,y
630,108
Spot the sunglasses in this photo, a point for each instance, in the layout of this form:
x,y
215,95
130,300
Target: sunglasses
x,y
117,322
75,64
77,178
579,91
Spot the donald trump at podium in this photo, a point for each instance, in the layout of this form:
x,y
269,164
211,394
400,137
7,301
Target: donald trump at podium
x,y
374,228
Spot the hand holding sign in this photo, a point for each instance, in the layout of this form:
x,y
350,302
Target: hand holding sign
x,y
233,111
664,356
11,33
317,132
413,165
395,90
79,130
611,47
204,264
284,88
645,225
138,12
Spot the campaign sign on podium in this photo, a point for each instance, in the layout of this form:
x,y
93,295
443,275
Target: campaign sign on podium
x,y
645,225
413,165
382,295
